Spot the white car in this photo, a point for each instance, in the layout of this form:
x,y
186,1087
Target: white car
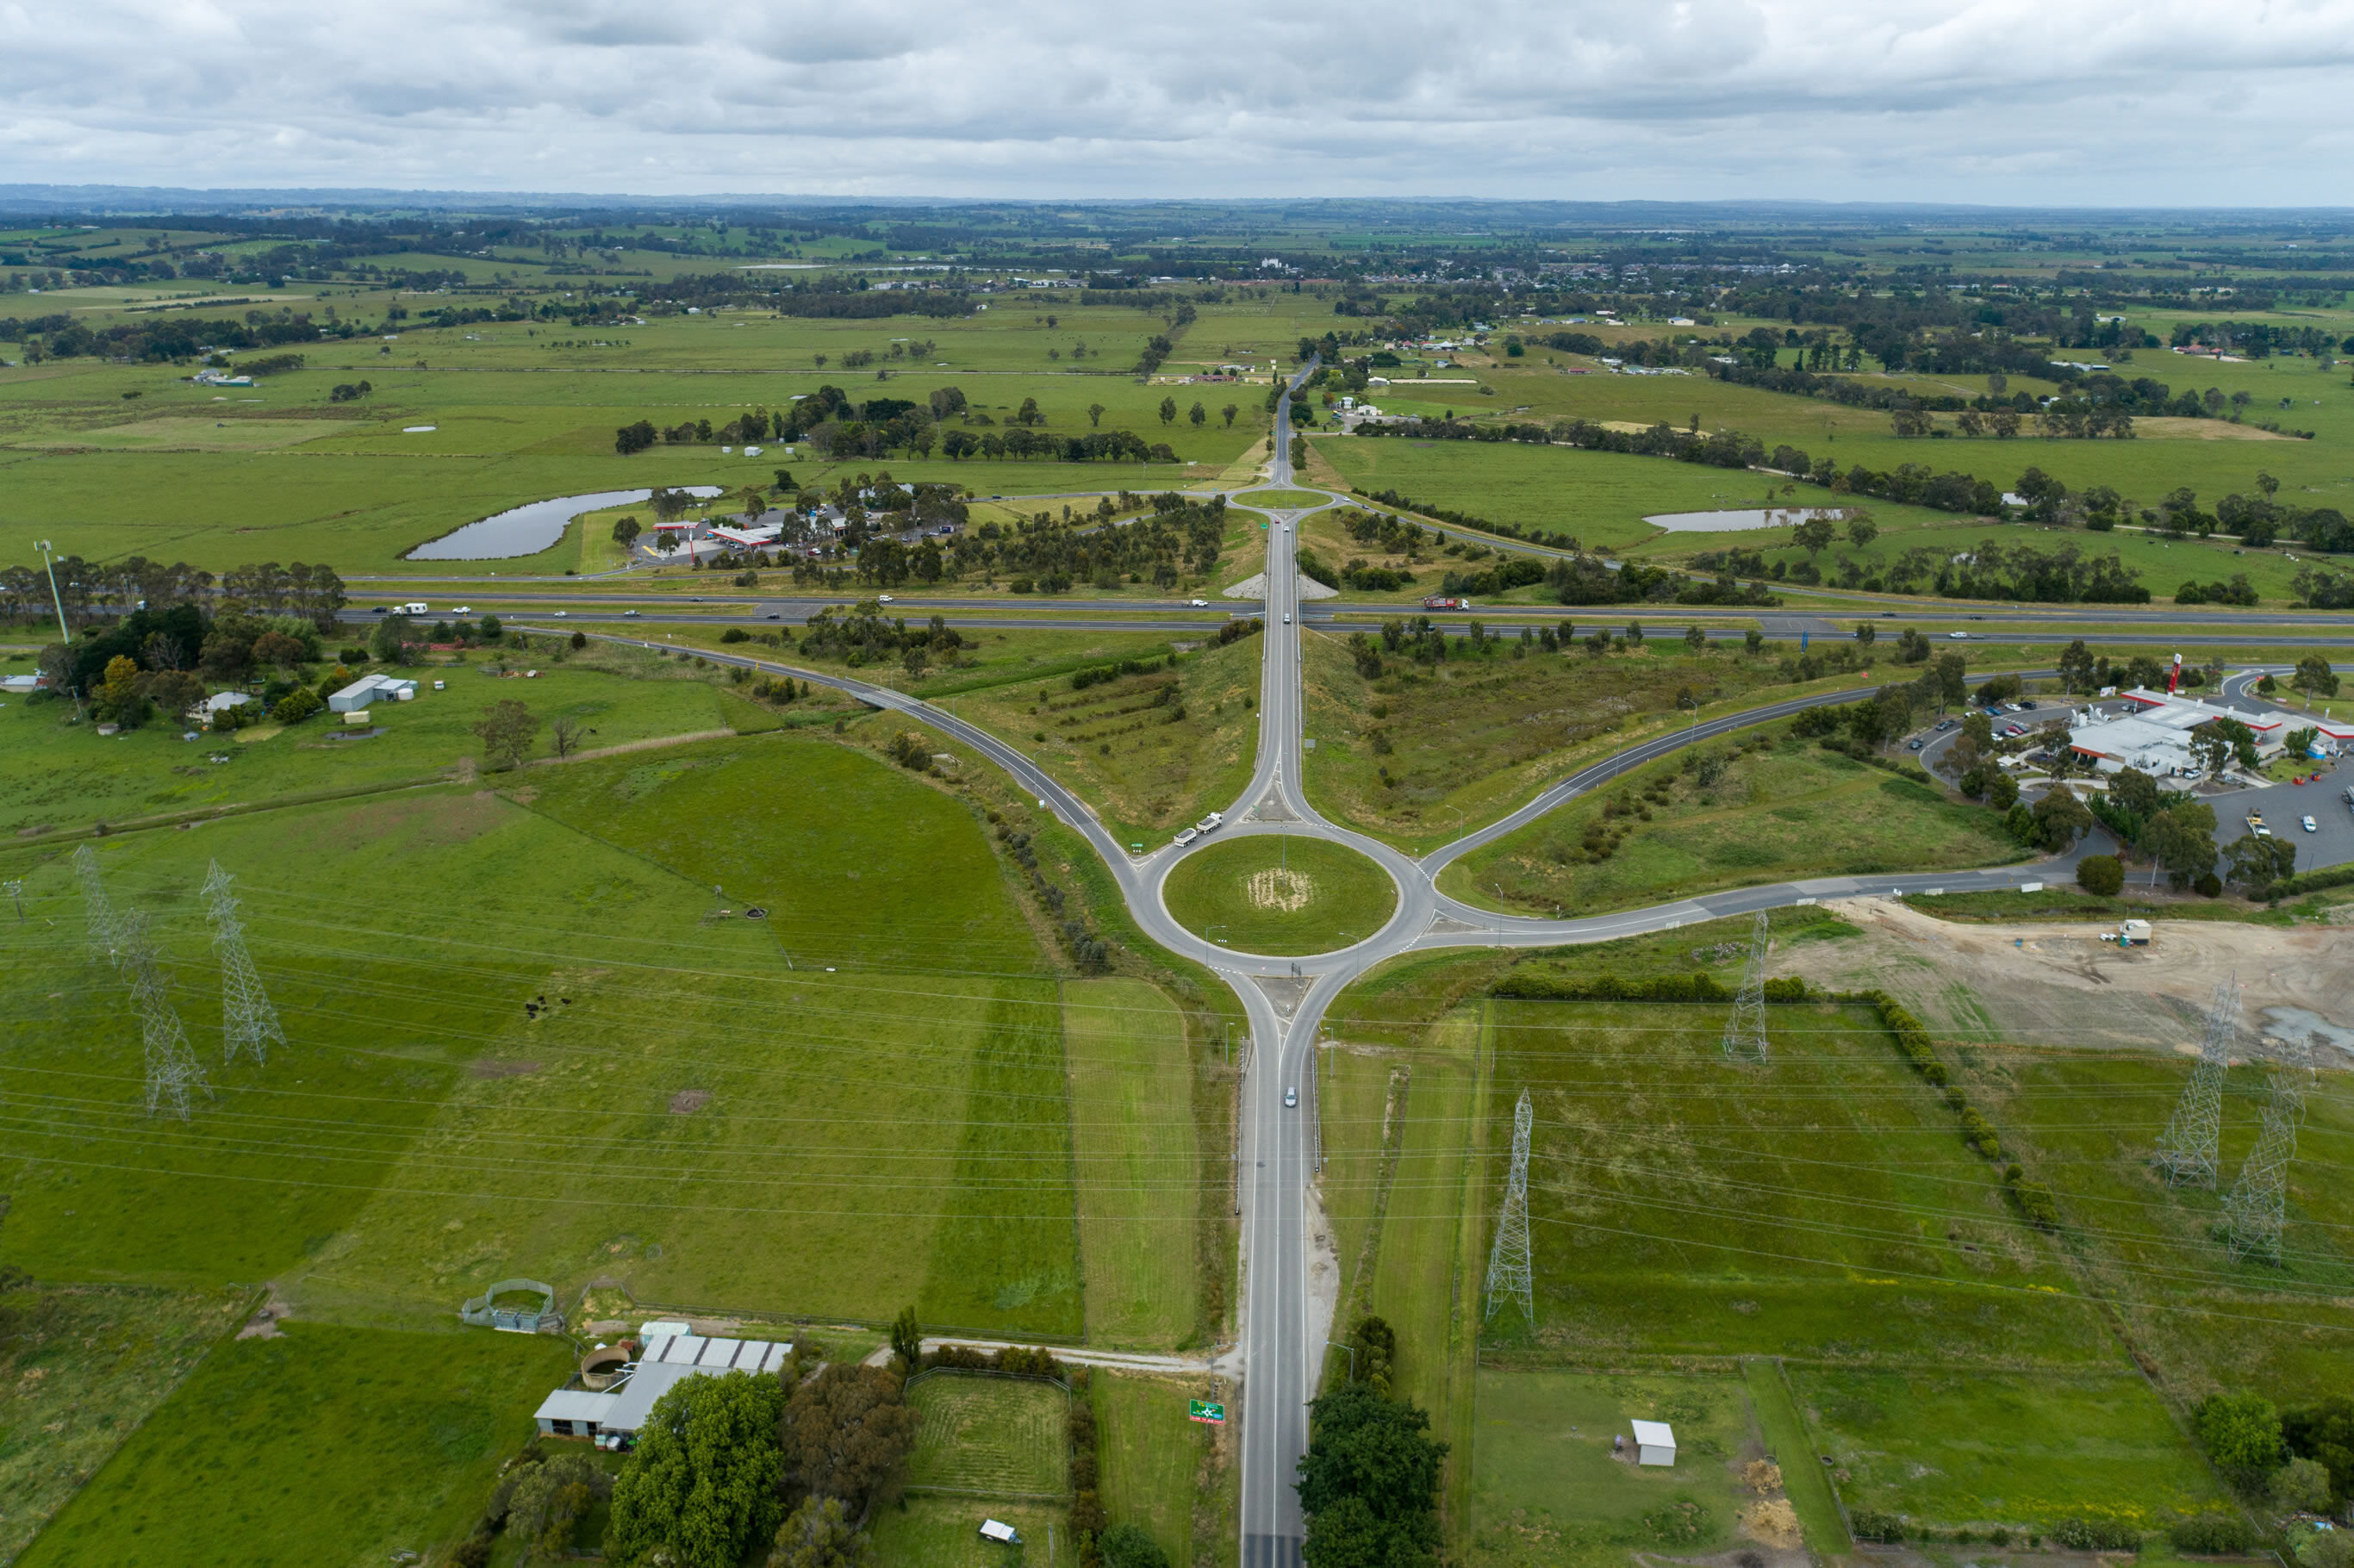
x,y
1958,636
1287,620
883,598
1199,603
628,612
1291,1096
462,610
2311,826
562,612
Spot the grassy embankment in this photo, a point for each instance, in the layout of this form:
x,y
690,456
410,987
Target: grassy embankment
x,y
1739,815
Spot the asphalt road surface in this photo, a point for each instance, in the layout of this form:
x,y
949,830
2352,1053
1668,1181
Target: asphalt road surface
x,y
1281,1335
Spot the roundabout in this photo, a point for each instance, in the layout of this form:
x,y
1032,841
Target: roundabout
x,y
1279,894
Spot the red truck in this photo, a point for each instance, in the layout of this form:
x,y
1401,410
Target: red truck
x,y
1446,601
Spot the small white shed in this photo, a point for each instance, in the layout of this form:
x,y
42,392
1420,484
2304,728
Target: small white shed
x,y
998,1530
1655,1443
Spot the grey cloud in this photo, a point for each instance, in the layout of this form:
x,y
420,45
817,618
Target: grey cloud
x,y
1992,100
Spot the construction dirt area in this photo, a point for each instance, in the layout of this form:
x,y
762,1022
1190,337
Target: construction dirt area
x,y
2057,983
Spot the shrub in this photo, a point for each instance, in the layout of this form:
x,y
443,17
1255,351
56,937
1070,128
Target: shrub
x,y
2241,1431
1870,1524
1131,1546
2103,874
2211,1532
580,638
2096,1535
2209,885
733,634
2326,1549
297,706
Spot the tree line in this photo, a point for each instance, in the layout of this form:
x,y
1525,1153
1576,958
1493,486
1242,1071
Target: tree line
x,y
96,590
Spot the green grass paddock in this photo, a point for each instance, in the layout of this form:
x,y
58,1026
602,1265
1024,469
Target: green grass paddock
x,y
323,1444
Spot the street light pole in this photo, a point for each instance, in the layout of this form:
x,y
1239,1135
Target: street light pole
x,y
51,566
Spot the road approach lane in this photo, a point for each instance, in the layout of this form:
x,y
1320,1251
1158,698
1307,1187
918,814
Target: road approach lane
x,y
1281,1329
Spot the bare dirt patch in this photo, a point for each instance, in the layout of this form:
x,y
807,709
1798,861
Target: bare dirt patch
x,y
2167,428
1276,888
2058,984
686,1102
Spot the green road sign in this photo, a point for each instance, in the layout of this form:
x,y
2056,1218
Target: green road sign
x,y
1205,1411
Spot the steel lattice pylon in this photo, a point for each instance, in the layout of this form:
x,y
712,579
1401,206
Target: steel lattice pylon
x,y
249,1023
2254,1213
1744,1032
2186,1151
105,926
1509,1263
173,1075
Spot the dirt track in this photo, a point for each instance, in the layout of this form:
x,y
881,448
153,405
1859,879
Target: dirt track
x,y
2057,983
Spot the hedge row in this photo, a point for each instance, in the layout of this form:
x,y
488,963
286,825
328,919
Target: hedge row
x,y
2031,1199
1526,987
2310,882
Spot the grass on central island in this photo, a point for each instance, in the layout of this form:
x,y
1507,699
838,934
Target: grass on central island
x,y
1280,894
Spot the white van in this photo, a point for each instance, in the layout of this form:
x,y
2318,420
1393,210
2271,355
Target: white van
x,y
416,609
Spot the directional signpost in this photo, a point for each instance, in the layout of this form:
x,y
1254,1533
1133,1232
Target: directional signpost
x,y
1206,1411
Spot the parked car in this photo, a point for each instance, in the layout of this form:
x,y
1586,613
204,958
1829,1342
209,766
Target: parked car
x,y
2311,826
1915,744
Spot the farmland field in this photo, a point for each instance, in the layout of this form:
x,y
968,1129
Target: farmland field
x,y
1139,1162
989,1436
1548,1488
1154,1460
290,1441
85,1366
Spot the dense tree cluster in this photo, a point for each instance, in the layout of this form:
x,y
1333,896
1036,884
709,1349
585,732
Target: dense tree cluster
x,y
1369,1482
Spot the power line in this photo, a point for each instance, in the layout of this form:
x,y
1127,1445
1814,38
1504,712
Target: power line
x,y
2187,1149
249,1023
1509,1273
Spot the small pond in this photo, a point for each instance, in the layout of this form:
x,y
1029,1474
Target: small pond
x,y
528,530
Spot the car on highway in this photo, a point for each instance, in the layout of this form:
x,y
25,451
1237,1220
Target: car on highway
x,y
1958,636
564,613
462,610
1199,603
883,598
1291,1096
1287,620
628,613
2311,826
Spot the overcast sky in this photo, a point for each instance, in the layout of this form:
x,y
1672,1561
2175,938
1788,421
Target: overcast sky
x,y
2001,102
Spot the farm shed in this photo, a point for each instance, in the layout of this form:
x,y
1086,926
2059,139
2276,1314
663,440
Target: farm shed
x,y
620,1409
1655,1443
355,697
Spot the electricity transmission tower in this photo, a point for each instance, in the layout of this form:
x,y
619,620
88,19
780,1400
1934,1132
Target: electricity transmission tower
x,y
2186,1151
1744,1032
173,1075
248,1020
105,926
1508,1264
2253,1212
